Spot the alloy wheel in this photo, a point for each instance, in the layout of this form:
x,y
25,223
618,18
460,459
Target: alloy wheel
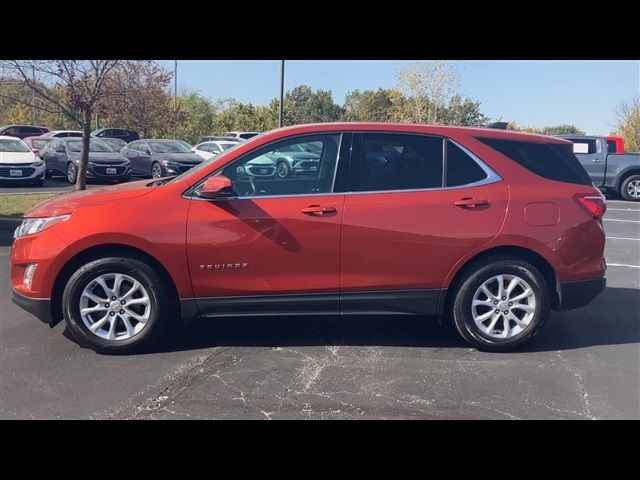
x,y
633,188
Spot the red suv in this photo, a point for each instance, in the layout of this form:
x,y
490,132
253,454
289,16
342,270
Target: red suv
x,y
489,228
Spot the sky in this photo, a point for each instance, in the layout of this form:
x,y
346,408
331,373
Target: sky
x,y
534,93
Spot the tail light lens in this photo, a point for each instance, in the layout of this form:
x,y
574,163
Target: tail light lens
x,y
594,205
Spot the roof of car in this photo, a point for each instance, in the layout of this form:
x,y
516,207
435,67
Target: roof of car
x,y
415,128
9,137
20,125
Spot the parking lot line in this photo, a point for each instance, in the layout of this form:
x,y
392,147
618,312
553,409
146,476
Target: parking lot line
x,y
623,210
617,220
624,238
622,265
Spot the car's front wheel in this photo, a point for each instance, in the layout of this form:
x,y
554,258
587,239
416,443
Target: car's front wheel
x,y
282,169
116,304
501,304
156,170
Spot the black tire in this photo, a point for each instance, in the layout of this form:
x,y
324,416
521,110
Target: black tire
x,y
161,309
625,187
71,177
474,277
156,167
282,169
47,174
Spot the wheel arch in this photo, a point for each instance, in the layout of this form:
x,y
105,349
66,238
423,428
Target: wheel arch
x,y
521,253
100,251
622,176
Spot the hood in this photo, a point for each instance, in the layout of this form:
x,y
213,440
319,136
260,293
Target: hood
x,y
300,155
179,157
101,157
18,158
68,202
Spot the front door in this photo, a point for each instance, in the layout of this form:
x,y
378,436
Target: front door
x,y
274,245
406,224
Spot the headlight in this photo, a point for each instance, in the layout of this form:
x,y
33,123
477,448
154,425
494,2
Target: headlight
x,y
38,163
169,163
29,226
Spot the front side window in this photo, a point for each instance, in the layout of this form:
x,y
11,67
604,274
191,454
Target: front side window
x,y
584,146
289,167
396,162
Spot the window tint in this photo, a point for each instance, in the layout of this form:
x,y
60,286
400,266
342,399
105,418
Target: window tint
x,y
461,168
213,148
247,135
28,130
612,146
281,170
554,161
397,162
10,145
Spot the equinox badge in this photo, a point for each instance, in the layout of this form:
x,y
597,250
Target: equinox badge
x,y
224,266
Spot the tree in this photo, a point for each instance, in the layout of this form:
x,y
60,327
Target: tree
x,y
140,100
199,115
370,105
73,88
303,105
429,87
464,112
563,129
628,126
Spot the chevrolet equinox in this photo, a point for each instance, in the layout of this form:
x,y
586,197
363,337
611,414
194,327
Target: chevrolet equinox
x,y
489,229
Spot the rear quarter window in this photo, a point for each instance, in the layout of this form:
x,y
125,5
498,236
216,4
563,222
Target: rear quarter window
x,y
554,161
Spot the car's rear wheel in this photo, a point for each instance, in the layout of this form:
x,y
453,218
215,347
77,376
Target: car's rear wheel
x,y
116,304
156,170
71,173
501,303
630,189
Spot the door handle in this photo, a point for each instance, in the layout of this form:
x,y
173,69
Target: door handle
x,y
318,210
470,202
596,160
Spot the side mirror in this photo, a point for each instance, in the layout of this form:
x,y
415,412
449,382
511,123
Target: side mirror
x,y
217,186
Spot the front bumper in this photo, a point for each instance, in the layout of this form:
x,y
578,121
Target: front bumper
x,y
27,172
578,294
99,172
39,307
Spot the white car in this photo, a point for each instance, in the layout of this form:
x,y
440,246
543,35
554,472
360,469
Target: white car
x,y
63,133
241,135
19,163
212,148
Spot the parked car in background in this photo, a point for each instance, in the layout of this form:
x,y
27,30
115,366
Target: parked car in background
x,y
215,138
63,134
22,131
121,133
619,172
241,135
210,149
158,158
615,144
487,229
37,143
116,144
19,163
62,156
294,160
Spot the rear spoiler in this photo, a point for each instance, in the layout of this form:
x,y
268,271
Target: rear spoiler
x,y
498,125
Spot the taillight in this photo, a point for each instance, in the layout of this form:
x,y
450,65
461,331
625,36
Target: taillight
x,y
594,205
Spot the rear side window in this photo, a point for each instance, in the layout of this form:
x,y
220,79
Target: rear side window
x,y
554,161
397,162
461,168
612,146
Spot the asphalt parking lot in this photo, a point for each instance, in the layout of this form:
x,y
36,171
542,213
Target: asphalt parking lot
x,y
585,364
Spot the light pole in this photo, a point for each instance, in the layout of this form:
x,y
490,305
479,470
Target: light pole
x,y
33,94
175,83
281,122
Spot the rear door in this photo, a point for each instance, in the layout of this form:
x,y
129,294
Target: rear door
x,y
414,206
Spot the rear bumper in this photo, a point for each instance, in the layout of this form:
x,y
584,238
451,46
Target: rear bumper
x,y
578,294
39,307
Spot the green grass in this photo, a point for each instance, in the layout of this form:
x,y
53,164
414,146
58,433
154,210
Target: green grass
x,y
14,205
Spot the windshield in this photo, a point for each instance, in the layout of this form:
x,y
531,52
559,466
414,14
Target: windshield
x,y
227,146
114,143
11,145
95,145
168,146
39,143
